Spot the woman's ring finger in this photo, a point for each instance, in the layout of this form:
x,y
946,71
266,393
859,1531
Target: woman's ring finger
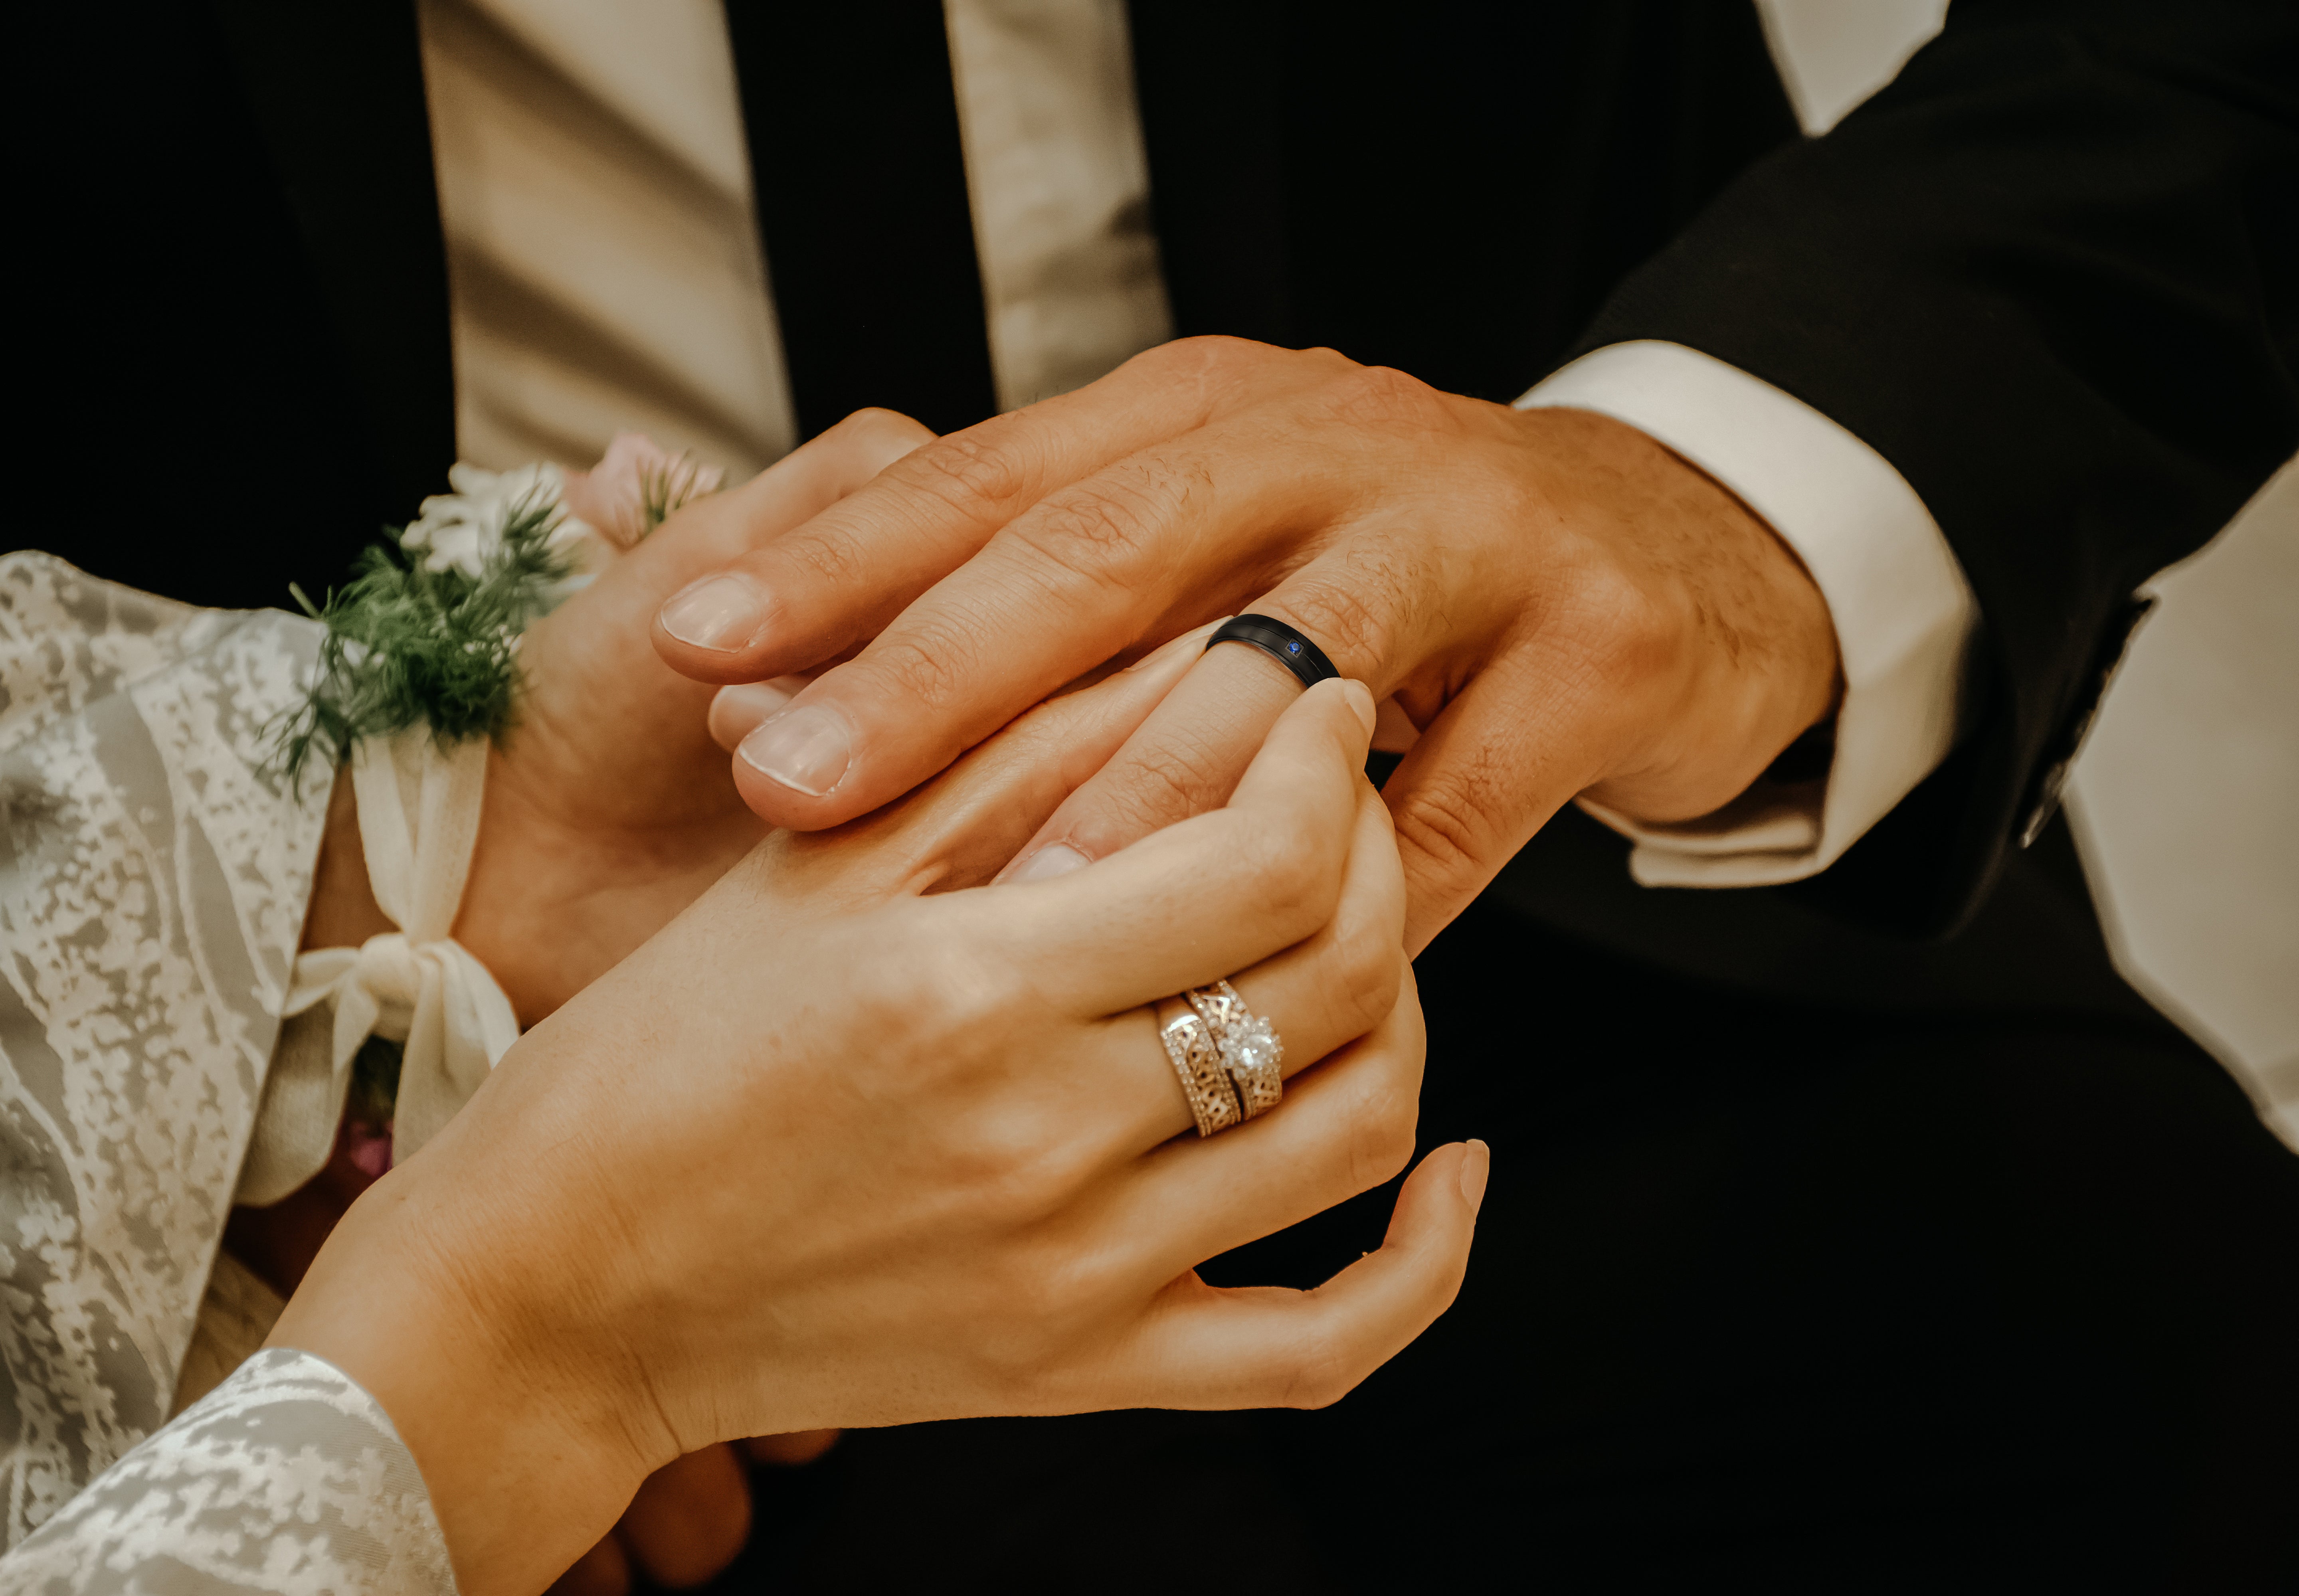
x,y
1225,1056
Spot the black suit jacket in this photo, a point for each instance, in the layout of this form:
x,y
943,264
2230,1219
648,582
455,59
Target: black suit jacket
x,y
2052,274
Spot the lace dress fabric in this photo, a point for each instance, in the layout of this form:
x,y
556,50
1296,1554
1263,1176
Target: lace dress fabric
x,y
153,879
286,1478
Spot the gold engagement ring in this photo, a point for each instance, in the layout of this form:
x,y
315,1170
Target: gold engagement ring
x,y
1227,1056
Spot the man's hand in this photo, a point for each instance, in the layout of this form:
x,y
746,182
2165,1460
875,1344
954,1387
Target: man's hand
x,y
1560,604
608,807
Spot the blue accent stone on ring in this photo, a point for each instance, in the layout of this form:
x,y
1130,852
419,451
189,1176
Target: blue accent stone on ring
x,y
1292,648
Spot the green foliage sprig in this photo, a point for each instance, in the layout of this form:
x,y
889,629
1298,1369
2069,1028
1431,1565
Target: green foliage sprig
x,y
407,646
665,488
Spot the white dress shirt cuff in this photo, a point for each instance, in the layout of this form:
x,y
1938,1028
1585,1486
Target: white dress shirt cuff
x,y
1904,614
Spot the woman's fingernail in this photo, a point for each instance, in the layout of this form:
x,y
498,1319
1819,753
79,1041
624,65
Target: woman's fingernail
x,y
1055,858
720,613
1476,1164
737,712
1360,697
1393,731
805,749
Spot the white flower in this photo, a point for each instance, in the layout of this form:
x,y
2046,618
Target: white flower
x,y
462,530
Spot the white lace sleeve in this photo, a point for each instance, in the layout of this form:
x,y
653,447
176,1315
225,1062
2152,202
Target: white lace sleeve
x,y
286,1479
154,872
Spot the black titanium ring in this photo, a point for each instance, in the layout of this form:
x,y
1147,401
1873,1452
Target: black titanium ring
x,y
1281,642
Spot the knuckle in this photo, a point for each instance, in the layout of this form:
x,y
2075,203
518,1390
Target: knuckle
x,y
873,429
1384,397
976,472
1292,871
1224,371
1155,794
1106,528
1216,355
1618,631
968,990
1367,971
930,668
879,991
1444,820
1012,1172
1086,530
836,555
1227,355
1216,347
1320,1372
1352,611
1041,1294
1382,1129
1182,776
886,997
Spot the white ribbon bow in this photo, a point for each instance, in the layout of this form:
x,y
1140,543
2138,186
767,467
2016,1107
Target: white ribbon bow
x,y
418,816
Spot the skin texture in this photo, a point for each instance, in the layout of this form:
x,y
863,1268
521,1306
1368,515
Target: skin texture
x,y
858,1140
1557,606
608,811
608,807
1550,602
691,1517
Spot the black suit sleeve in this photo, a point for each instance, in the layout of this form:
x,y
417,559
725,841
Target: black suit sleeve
x,y
2052,274
230,333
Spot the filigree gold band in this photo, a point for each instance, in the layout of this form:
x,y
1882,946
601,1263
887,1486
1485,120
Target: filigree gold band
x,y
1226,1055
1197,1060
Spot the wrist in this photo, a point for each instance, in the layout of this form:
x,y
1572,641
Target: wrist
x,y
550,906
1724,644
541,908
528,1448
343,911
531,962
534,962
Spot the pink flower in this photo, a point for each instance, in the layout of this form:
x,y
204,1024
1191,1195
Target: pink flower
x,y
366,1148
634,486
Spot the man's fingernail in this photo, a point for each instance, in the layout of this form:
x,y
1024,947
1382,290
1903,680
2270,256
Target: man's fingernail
x,y
721,612
805,749
1475,1166
1055,858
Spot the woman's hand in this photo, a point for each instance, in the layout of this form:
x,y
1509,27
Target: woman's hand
x,y
843,1145
608,809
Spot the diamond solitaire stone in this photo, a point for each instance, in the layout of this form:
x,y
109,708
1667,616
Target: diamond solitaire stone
x,y
1258,1047
1250,1047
